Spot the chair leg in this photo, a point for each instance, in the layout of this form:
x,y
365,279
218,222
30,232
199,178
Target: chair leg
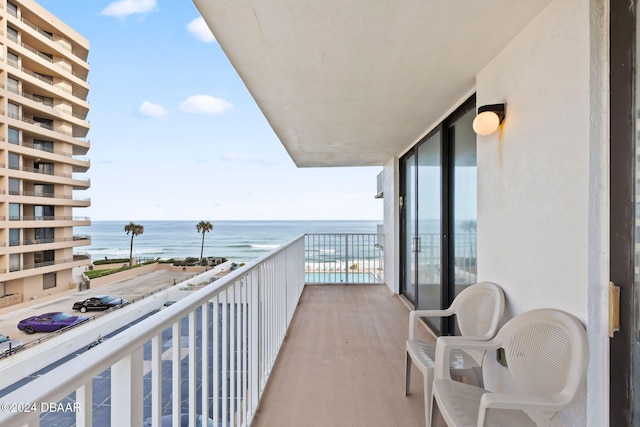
x,y
407,375
477,379
428,384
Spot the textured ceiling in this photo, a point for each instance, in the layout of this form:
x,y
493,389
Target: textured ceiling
x,y
353,83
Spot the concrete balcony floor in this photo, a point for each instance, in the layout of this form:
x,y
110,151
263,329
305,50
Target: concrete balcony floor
x,y
342,363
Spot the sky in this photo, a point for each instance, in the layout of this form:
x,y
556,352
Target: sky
x,y
175,135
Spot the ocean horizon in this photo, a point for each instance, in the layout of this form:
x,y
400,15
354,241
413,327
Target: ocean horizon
x,y
238,241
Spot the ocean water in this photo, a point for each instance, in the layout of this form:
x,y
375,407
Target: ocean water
x,y
239,241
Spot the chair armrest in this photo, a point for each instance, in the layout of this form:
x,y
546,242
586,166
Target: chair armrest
x,y
516,401
415,315
444,346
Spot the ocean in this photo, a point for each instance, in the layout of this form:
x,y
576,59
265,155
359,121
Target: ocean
x,y
238,241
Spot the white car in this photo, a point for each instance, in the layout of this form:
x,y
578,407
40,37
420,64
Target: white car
x,y
7,344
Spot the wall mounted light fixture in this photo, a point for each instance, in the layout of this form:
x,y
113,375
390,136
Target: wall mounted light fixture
x,y
488,119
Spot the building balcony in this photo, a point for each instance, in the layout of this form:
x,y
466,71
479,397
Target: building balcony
x,y
260,346
63,44
60,88
27,147
73,112
16,271
52,177
30,221
57,199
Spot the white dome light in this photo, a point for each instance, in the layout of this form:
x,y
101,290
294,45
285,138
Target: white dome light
x,y
488,119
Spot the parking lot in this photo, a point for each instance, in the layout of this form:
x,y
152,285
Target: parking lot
x,y
128,289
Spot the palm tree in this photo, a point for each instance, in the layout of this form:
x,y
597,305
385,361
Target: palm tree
x,y
203,227
470,227
135,230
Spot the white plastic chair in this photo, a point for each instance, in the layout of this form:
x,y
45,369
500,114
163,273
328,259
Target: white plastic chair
x,y
547,355
478,310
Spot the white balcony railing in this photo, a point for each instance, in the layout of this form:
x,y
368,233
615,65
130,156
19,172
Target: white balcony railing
x,y
344,258
214,350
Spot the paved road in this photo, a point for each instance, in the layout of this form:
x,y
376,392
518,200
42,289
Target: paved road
x,y
63,301
102,383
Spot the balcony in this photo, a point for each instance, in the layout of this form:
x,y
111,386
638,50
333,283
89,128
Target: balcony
x,y
285,353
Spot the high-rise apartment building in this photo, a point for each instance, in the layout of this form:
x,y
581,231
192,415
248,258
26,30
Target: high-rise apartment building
x,y
43,129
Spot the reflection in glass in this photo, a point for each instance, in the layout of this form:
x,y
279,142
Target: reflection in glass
x,y
410,229
428,242
635,350
465,210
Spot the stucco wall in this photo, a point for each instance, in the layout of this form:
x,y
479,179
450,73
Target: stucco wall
x,y
541,179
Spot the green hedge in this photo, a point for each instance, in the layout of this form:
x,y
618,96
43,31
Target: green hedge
x,y
191,261
93,274
111,261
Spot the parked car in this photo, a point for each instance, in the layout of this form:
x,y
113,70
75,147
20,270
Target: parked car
x,y
99,302
7,344
167,304
49,322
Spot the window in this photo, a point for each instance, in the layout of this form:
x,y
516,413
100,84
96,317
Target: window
x,y
39,144
12,8
13,110
43,212
42,122
48,55
13,58
14,186
14,262
13,85
438,193
46,168
46,100
42,258
14,211
43,190
14,237
48,281
44,77
14,161
12,33
44,235
14,136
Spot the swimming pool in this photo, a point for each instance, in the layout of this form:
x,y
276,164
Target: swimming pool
x,y
339,277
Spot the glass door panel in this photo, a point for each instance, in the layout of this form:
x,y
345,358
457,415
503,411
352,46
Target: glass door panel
x,y
465,206
427,246
410,230
635,329
438,215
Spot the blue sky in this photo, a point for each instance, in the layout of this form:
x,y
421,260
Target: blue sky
x,y
159,81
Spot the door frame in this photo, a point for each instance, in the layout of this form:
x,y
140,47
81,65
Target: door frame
x,y
622,206
448,187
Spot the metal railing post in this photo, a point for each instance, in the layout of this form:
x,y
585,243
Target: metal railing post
x,y
126,390
346,259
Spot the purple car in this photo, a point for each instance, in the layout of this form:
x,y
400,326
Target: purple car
x,y
49,322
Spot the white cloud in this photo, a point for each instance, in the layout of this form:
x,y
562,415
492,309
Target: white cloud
x,y
204,104
245,158
150,109
122,8
199,28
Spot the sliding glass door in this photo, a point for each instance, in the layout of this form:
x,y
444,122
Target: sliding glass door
x,y
438,215
428,242
410,229
464,207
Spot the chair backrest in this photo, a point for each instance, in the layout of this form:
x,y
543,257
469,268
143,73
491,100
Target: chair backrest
x,y
547,353
479,309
